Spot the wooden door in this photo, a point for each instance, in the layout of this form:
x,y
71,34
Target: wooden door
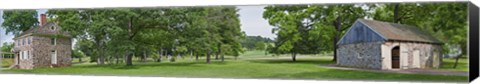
x,y
396,58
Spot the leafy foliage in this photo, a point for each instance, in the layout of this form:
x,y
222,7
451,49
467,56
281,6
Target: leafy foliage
x,y
6,47
17,21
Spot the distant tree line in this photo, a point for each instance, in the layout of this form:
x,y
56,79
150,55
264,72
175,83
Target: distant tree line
x,y
256,42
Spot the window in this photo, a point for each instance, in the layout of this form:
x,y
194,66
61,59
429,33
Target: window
x,y
54,41
29,54
23,42
52,28
21,55
29,40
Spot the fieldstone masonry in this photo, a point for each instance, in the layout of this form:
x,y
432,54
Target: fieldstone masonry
x,y
360,55
40,44
377,55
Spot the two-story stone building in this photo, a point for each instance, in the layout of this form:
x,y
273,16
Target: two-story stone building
x,y
42,46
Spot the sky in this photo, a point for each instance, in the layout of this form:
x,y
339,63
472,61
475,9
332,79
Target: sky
x,y
251,22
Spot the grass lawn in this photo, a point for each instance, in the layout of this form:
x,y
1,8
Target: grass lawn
x,y
450,62
268,67
6,62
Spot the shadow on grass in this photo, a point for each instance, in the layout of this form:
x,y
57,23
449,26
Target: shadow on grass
x,y
334,74
153,64
138,65
301,61
449,63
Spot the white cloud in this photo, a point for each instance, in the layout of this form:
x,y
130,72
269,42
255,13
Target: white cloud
x,y
253,23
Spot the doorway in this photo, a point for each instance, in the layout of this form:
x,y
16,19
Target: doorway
x,y
54,57
396,57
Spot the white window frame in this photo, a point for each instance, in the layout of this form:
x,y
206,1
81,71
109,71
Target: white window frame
x,y
21,55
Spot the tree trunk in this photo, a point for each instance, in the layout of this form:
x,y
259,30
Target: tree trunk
x,y
101,59
294,56
196,56
80,59
216,55
338,27
144,57
208,57
223,57
396,10
160,54
456,61
191,55
164,54
129,59
117,60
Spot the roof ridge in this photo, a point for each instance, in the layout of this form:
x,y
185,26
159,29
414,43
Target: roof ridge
x,y
397,31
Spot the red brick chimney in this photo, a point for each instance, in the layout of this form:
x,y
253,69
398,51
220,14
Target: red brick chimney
x,y
43,19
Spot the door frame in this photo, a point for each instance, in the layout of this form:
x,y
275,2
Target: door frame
x,y
53,54
395,57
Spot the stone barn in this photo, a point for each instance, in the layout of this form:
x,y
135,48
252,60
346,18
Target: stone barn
x,y
374,44
42,46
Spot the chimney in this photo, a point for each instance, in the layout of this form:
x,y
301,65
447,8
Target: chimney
x,y
43,19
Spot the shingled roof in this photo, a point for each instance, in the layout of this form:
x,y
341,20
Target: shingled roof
x,y
39,30
399,32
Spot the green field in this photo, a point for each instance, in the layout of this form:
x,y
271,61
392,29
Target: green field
x,y
449,63
6,62
252,64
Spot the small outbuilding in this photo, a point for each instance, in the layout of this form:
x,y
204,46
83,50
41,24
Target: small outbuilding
x,y
382,45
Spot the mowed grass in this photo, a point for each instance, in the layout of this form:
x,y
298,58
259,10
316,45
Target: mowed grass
x,y
265,67
462,65
6,62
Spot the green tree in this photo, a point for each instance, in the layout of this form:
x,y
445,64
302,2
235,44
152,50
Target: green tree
x,y
17,21
6,47
446,21
87,48
260,46
78,54
338,18
250,41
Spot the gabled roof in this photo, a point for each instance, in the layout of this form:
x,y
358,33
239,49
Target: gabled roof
x,y
397,32
37,30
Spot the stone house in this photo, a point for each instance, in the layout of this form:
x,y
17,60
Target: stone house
x,y
42,46
382,45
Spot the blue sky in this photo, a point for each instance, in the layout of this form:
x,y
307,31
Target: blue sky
x,y
250,18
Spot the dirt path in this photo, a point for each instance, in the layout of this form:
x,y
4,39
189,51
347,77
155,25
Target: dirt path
x,y
405,71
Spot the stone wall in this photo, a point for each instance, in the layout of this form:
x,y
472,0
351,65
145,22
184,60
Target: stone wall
x,y
44,50
41,48
360,55
413,55
21,47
